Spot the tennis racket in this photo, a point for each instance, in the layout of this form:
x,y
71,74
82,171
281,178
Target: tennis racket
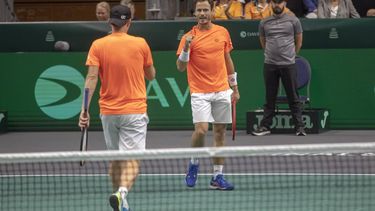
x,y
84,135
233,120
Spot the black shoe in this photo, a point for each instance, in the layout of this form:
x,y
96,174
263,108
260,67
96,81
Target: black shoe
x,y
300,132
261,131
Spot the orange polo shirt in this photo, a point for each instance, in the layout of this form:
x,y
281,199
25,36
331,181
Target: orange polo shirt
x,y
121,59
206,69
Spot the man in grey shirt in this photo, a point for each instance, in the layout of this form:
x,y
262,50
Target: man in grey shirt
x,y
281,38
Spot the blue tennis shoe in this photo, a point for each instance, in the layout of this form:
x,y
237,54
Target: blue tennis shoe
x,y
219,183
192,175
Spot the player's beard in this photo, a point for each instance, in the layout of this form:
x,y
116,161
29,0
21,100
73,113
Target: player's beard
x,y
277,10
203,20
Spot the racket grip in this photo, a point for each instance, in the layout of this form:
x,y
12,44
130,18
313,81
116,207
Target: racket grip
x,y
86,98
234,121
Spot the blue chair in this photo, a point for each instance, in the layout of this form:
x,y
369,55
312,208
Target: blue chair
x,y
303,83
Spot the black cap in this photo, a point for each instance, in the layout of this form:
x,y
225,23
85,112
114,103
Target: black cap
x,y
278,1
120,14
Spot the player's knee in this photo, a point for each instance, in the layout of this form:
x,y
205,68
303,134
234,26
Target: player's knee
x,y
201,131
219,135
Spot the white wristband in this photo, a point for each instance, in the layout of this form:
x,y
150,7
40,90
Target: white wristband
x,y
232,79
184,56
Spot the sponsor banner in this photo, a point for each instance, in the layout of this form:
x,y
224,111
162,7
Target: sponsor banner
x,y
315,120
43,91
165,35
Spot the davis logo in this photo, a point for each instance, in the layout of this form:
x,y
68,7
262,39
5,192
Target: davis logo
x,y
58,92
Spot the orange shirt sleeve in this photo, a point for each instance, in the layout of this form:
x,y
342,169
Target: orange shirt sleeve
x,y
181,45
92,57
147,55
228,44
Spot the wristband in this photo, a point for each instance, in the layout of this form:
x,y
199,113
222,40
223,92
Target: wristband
x,y
184,56
232,79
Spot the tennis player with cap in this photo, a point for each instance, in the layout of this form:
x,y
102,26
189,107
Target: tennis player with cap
x,y
205,52
281,38
122,62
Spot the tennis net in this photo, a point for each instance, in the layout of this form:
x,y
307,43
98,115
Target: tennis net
x,y
266,178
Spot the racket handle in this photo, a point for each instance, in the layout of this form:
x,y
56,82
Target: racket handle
x,y
86,98
234,121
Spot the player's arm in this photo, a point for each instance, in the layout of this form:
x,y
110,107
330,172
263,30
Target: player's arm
x,y
148,66
298,39
232,76
90,83
184,56
262,41
181,66
150,72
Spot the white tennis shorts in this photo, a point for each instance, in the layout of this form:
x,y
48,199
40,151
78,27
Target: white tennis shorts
x,y
125,132
214,107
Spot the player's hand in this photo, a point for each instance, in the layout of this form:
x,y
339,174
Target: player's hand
x,y
188,40
235,94
84,120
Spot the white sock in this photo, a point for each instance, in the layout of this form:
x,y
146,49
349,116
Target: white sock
x,y
194,161
218,169
123,191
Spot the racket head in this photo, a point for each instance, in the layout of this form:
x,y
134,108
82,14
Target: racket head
x,y
234,122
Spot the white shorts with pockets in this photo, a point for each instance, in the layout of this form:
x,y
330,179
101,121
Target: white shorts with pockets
x,y
214,107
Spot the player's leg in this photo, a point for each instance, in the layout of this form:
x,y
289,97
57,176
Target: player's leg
x,y
202,115
111,137
221,112
219,141
201,111
133,130
200,131
132,136
123,175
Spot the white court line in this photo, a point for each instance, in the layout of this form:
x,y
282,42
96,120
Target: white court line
x,y
153,175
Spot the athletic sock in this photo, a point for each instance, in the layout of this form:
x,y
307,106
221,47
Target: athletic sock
x,y
218,169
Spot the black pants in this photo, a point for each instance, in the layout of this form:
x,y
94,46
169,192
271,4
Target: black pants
x,y
288,75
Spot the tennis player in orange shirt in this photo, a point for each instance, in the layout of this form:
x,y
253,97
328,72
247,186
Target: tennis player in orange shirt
x,y
122,62
205,52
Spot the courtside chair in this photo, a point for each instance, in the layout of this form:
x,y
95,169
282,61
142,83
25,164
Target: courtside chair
x,y
303,84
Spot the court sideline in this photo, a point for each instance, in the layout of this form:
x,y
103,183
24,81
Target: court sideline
x,y
69,141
